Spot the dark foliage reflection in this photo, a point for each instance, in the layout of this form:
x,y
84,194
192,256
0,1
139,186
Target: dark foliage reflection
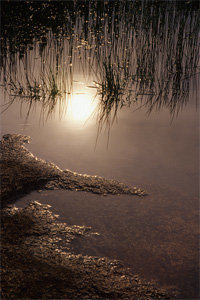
x,y
136,52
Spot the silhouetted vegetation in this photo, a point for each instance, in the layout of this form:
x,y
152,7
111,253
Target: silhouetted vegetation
x,y
137,52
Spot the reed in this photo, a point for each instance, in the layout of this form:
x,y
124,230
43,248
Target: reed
x,y
143,52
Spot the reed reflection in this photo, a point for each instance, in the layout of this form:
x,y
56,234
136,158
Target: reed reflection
x,y
138,53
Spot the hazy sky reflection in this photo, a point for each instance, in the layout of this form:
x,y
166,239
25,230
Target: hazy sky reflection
x,y
145,147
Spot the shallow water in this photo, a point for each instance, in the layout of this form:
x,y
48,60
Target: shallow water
x,y
146,147
156,236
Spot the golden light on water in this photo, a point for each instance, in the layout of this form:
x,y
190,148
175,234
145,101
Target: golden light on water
x,y
81,107
81,104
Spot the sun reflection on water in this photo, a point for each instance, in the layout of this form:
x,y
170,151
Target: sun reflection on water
x,y
81,104
81,107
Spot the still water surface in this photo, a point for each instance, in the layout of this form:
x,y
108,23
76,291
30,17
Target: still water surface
x,y
156,236
148,147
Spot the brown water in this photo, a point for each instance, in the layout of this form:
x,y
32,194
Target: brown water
x,y
156,236
147,147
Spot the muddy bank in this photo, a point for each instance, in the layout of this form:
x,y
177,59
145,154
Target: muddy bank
x,y
37,264
22,172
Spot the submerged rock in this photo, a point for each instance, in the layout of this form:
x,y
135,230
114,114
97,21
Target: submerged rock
x,y
37,264
22,172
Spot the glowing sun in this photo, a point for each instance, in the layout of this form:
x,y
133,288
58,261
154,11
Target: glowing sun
x,y
81,107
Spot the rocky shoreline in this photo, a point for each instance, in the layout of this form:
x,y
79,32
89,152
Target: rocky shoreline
x,y
34,173
36,259
37,263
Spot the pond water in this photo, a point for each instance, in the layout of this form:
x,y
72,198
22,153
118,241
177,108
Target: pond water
x,y
150,148
157,235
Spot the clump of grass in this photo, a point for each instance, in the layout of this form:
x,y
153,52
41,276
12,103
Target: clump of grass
x,y
144,50
112,91
46,90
